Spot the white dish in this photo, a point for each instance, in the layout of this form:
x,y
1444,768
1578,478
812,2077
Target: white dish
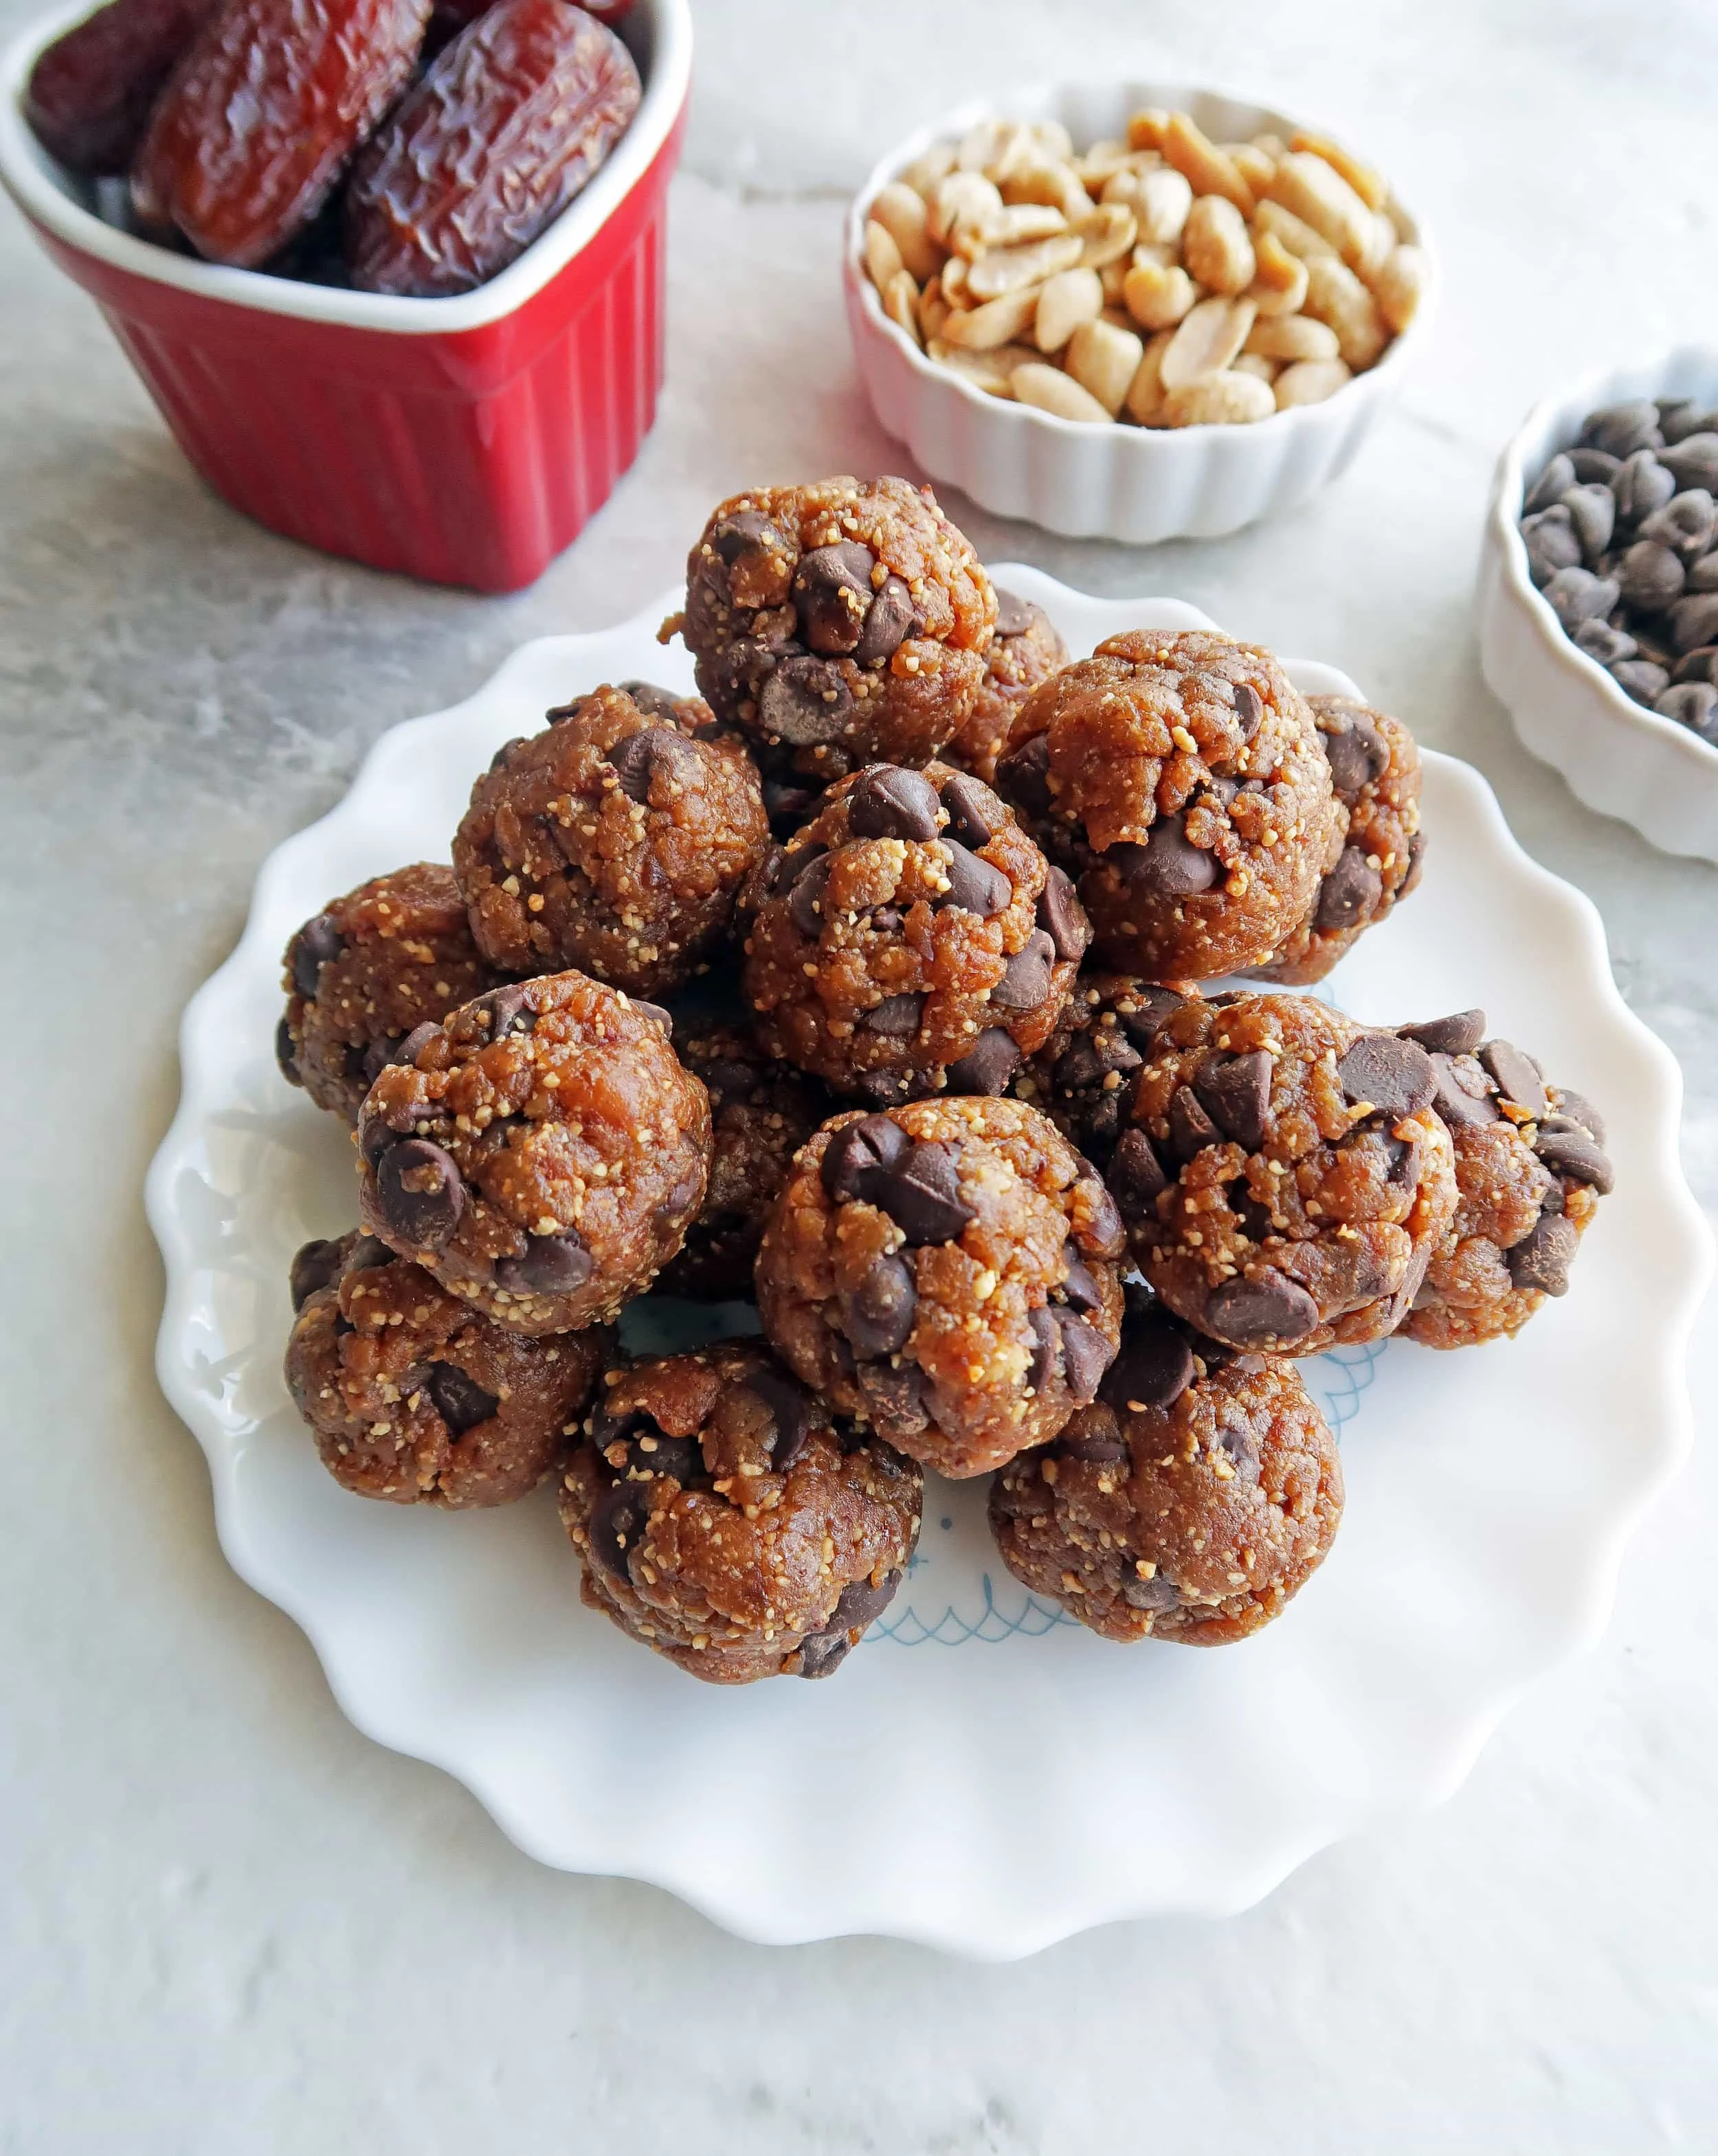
x,y
1618,757
1039,1780
1135,484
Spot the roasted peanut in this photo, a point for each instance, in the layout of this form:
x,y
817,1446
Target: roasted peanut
x,y
1310,381
953,281
901,212
933,311
990,370
1292,336
1211,336
963,199
1145,393
1156,297
936,163
1366,183
1067,300
1399,286
1254,363
1278,284
1009,268
1104,361
1113,277
996,322
1056,184
1106,233
1145,130
1160,201
1336,295
900,303
1038,383
1254,165
1019,222
1223,399
1318,194
1293,234
1192,151
882,254
992,147
1215,246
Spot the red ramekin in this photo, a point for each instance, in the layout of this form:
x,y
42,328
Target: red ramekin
x,y
465,441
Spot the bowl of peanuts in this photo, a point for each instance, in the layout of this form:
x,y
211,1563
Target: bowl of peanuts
x,y
1135,311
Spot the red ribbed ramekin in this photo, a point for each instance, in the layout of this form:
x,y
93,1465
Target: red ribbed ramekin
x,y
465,441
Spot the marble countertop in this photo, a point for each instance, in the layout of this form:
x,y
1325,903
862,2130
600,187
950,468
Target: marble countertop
x,y
232,1923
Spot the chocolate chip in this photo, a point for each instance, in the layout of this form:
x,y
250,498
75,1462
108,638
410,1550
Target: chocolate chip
x,y
1023,777
375,1136
1460,1094
788,803
861,1603
286,1053
658,1013
1062,917
1551,543
1575,594
1392,1075
792,1410
726,1079
1092,1436
894,1397
658,703
1249,709
1684,416
1150,1008
1693,462
888,803
973,885
1543,1258
1272,1311
857,1152
1641,679
1600,640
1168,864
1238,1442
419,1193
1191,1130
652,1456
1641,485
811,877
656,753
832,595
315,1267
1702,576
988,1064
552,1265
1026,978
975,815
1154,1367
1014,616
1649,576
1078,1284
1573,1153
1517,1078
1551,486
896,1018
316,943
1136,1176
1091,1057
1235,1089
1085,1357
1685,524
457,1397
1592,511
506,749
1693,705
892,619
1576,1108
806,701
1156,1596
1699,664
821,1653
1350,894
744,533
616,1519
1458,1034
1357,756
1619,429
922,1193
507,1008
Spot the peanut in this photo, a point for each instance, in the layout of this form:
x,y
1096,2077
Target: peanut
x,y
1292,336
1400,285
1145,394
1253,362
1104,360
990,370
962,199
1107,233
1366,183
882,254
1254,165
953,281
1279,278
924,173
1310,381
900,303
1068,300
1145,130
1161,203
1113,277
1215,246
1336,295
1293,234
1222,399
996,322
1009,268
1192,152
1056,184
992,147
902,214
1049,389
1054,141
1156,297
1319,195
933,311
1211,336
1104,160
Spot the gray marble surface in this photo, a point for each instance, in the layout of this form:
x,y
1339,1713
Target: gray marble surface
x,y
232,1923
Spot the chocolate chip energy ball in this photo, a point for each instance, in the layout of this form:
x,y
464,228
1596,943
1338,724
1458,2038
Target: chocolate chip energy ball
x,y
945,1272
761,1115
416,1398
1025,651
1084,1077
1375,767
838,624
1530,1167
543,1155
1285,1177
366,972
1192,1503
1181,777
911,936
724,1518
615,841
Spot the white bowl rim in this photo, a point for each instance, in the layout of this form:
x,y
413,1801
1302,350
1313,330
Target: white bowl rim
x,y
1141,441
29,175
1599,386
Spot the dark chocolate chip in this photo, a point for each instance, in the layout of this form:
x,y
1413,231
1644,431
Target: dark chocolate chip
x,y
1641,485
508,1008
552,1265
375,1136
892,619
1191,1130
1551,543
745,532
506,749
856,1153
1699,664
1155,1597
1684,416
1168,864
1154,1367
877,1316
1235,1091
973,885
896,1018
1601,640
888,803
1085,1357
1458,1034
1542,1259
652,1454
316,943
1014,616
1517,1077
1693,462
974,813
611,1426
1576,594
821,1653
791,1410
658,1013
922,1193
1685,524
988,1064
1078,1284
657,752
862,1602
806,898
656,702
368,1252
1249,709
1591,465
1416,863
1272,1311
1062,917
1093,1436
832,595
419,1193
457,1397
616,1519
1592,511
1577,1109
1693,705
727,1080
806,701
1026,978
1150,1008
1461,1095
1550,486
1642,679
375,1056
1023,777
1621,428
1357,756
1350,893
286,1053
1392,1075
788,803
1649,576
894,1397
1136,1176
1091,1057
315,1267
1238,1441
1573,1153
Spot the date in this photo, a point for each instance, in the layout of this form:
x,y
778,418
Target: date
x,y
89,94
483,153
262,115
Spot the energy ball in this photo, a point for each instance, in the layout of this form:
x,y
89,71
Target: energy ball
x,y
366,972
945,1272
1529,1167
1285,1175
1083,1077
838,623
1374,768
1180,776
724,1518
543,1155
761,1115
415,1397
1025,651
615,841
911,937
1190,1502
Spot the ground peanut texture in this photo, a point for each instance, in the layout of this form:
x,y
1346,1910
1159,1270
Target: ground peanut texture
x,y
1025,651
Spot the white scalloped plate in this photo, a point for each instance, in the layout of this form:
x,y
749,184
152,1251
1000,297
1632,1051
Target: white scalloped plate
x,y
980,1776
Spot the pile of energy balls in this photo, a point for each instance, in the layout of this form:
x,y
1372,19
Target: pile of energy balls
x,y
1014,1196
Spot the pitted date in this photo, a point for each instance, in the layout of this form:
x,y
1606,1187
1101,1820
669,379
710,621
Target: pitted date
x,y
255,129
89,94
508,124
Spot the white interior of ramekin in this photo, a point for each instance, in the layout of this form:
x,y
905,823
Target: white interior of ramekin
x,y
1686,371
1092,112
659,35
